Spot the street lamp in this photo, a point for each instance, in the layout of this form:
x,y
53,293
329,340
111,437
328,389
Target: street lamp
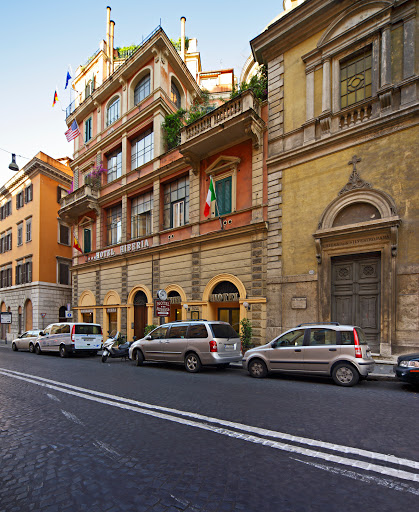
x,y
13,165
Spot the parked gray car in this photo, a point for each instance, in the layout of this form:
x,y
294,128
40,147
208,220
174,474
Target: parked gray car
x,y
26,341
194,344
339,351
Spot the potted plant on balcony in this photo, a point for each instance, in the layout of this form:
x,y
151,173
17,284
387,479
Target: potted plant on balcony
x,y
94,178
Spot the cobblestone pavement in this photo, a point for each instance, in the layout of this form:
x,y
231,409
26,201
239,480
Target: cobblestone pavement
x,y
61,451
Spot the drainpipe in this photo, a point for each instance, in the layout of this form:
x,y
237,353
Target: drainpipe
x,y
108,22
182,37
111,48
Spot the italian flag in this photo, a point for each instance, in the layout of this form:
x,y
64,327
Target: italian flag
x,y
210,198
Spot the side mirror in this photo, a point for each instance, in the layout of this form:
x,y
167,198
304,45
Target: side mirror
x,y
41,333
148,337
274,344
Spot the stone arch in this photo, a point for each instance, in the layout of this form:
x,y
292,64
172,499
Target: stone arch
x,y
178,289
136,289
112,298
352,17
87,299
224,277
179,87
378,199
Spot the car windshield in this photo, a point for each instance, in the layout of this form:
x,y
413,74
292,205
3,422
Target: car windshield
x,y
223,331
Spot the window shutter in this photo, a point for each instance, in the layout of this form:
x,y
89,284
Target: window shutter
x,y
58,194
87,245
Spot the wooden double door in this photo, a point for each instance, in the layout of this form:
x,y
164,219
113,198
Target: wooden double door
x,y
356,289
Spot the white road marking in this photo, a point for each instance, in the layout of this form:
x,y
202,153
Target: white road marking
x,y
152,410
106,448
72,417
390,484
53,397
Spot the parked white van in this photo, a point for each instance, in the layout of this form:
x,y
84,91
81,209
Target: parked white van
x,y
70,338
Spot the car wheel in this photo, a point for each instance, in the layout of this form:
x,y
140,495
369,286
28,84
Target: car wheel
x,y
257,369
31,348
344,374
139,358
14,347
37,349
192,363
63,351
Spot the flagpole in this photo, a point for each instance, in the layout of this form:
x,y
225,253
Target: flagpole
x,y
219,216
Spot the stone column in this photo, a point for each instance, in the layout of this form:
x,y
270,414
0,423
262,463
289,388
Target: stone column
x,y
326,92
309,94
335,85
385,56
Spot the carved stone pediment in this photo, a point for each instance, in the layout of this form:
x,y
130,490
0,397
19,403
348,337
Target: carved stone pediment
x,y
222,163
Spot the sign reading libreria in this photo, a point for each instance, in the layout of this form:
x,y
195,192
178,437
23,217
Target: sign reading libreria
x,y
121,249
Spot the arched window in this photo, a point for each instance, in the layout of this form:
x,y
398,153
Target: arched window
x,y
175,95
112,113
61,314
142,90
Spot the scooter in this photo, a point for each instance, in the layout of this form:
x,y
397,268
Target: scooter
x,y
112,348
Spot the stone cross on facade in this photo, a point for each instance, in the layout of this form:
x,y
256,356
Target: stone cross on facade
x,y
355,180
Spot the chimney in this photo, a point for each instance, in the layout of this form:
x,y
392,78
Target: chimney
x,y
182,37
108,22
111,41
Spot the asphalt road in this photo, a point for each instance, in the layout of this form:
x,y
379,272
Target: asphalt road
x,y
77,434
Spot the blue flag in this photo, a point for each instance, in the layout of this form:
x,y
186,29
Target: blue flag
x,y
67,80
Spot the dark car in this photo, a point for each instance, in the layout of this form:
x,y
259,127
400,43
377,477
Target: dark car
x,y
407,368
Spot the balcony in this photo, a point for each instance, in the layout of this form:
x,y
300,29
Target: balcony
x,y
233,122
81,201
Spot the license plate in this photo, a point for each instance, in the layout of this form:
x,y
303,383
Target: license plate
x,y
229,347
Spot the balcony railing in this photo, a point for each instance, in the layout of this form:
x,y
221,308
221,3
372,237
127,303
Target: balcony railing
x,y
226,112
81,199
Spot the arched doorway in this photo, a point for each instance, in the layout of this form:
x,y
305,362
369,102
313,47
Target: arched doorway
x,y
175,306
140,314
87,310
225,297
28,315
61,314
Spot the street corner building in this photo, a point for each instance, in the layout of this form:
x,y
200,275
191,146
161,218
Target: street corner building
x,y
342,167
35,246
143,163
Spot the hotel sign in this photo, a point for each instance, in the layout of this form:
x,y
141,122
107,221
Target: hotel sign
x,y
224,297
121,249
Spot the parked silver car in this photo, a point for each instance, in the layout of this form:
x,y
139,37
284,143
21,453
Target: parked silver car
x,y
26,341
339,351
194,344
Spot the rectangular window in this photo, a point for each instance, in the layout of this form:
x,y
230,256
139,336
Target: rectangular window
x,y
3,236
142,149
19,200
356,78
27,272
142,215
87,240
176,203
63,273
223,192
6,277
28,194
114,165
8,241
88,130
20,234
64,234
19,273
60,193
114,225
29,230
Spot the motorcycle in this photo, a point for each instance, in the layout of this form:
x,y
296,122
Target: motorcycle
x,y
113,347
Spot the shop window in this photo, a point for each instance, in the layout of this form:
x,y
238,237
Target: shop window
x,y
142,215
176,203
114,165
142,149
142,90
114,225
112,113
356,78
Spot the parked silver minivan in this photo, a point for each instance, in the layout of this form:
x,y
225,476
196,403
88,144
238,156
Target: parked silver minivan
x,y
195,344
70,338
339,351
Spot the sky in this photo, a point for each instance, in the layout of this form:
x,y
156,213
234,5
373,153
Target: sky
x,y
40,40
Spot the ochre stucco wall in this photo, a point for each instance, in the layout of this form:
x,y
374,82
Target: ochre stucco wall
x,y
389,164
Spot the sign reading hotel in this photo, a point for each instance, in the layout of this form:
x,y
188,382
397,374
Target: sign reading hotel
x,y
121,249
162,307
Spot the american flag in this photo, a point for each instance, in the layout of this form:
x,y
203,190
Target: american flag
x,y
73,131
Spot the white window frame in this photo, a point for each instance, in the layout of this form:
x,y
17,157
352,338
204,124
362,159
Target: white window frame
x,y
29,229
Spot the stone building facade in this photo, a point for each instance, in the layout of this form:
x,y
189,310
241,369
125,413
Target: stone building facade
x,y
343,155
138,208
35,247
